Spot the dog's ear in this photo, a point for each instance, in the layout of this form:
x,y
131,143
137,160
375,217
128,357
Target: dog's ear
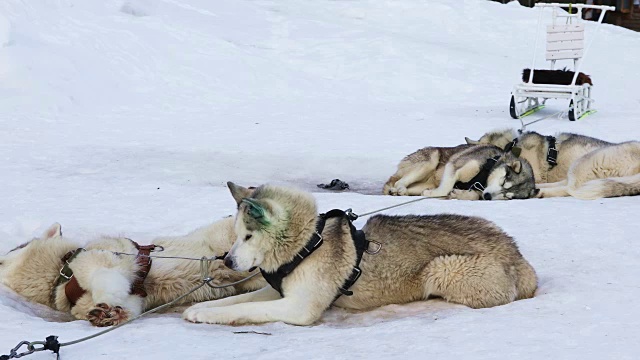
x,y
516,166
256,211
471,142
535,192
238,192
53,231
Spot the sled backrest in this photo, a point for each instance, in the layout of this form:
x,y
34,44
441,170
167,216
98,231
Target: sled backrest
x,y
565,41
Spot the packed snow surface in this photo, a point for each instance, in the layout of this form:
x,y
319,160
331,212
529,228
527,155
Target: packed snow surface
x,y
128,117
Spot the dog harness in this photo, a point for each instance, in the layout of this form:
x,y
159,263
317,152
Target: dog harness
x,y
515,150
552,153
479,182
359,239
74,291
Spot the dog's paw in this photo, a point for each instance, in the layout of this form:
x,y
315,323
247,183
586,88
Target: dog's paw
x,y
463,195
401,190
427,193
105,315
206,316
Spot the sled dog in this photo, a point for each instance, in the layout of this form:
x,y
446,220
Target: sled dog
x,y
575,165
470,173
109,287
465,260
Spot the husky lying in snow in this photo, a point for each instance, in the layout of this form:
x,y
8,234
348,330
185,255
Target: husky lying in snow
x,y
575,165
466,260
109,288
463,172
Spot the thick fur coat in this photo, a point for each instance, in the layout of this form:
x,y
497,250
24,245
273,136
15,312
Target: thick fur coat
x,y
466,260
587,168
32,269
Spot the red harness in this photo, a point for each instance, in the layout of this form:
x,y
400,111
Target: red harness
x,y
74,292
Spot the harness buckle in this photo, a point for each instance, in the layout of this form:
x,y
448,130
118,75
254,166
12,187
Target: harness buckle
x,y
62,274
552,156
373,252
351,215
477,186
319,239
358,272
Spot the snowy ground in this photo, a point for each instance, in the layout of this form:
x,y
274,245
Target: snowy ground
x,y
128,117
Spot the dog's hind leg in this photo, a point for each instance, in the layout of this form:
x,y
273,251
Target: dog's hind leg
x,y
450,176
477,281
418,173
550,185
417,188
111,300
558,191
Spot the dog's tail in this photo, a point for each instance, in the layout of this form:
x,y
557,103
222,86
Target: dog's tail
x,y
610,187
527,281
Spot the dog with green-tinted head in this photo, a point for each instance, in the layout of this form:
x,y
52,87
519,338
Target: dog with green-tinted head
x,y
414,260
268,226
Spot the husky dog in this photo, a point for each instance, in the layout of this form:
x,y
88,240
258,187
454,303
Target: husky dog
x,y
607,172
480,171
465,260
109,281
549,156
575,165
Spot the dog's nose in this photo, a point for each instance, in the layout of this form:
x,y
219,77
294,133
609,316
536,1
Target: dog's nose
x,y
228,262
487,196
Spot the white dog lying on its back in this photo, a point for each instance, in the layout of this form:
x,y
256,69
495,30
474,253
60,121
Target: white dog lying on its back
x,y
110,288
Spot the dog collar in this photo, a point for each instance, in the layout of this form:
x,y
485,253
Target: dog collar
x,y
479,182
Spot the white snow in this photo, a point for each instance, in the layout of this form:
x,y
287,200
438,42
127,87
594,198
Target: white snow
x,y
127,117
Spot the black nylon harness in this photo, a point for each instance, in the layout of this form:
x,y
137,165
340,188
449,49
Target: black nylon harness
x,y
552,152
361,244
479,182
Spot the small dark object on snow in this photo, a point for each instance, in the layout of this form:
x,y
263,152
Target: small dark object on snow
x,y
252,332
555,77
336,184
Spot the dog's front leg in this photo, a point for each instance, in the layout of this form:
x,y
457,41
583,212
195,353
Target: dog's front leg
x,y
464,195
448,181
290,310
265,294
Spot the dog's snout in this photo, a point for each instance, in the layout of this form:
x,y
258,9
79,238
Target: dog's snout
x,y
487,196
228,262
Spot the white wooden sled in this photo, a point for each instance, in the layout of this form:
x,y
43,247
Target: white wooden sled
x,y
565,41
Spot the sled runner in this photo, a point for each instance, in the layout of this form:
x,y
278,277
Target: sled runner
x,y
565,41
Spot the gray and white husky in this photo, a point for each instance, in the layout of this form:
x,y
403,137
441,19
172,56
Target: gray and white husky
x,y
465,260
581,166
463,172
33,270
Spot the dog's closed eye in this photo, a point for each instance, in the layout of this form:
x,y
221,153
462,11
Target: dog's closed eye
x,y
248,237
